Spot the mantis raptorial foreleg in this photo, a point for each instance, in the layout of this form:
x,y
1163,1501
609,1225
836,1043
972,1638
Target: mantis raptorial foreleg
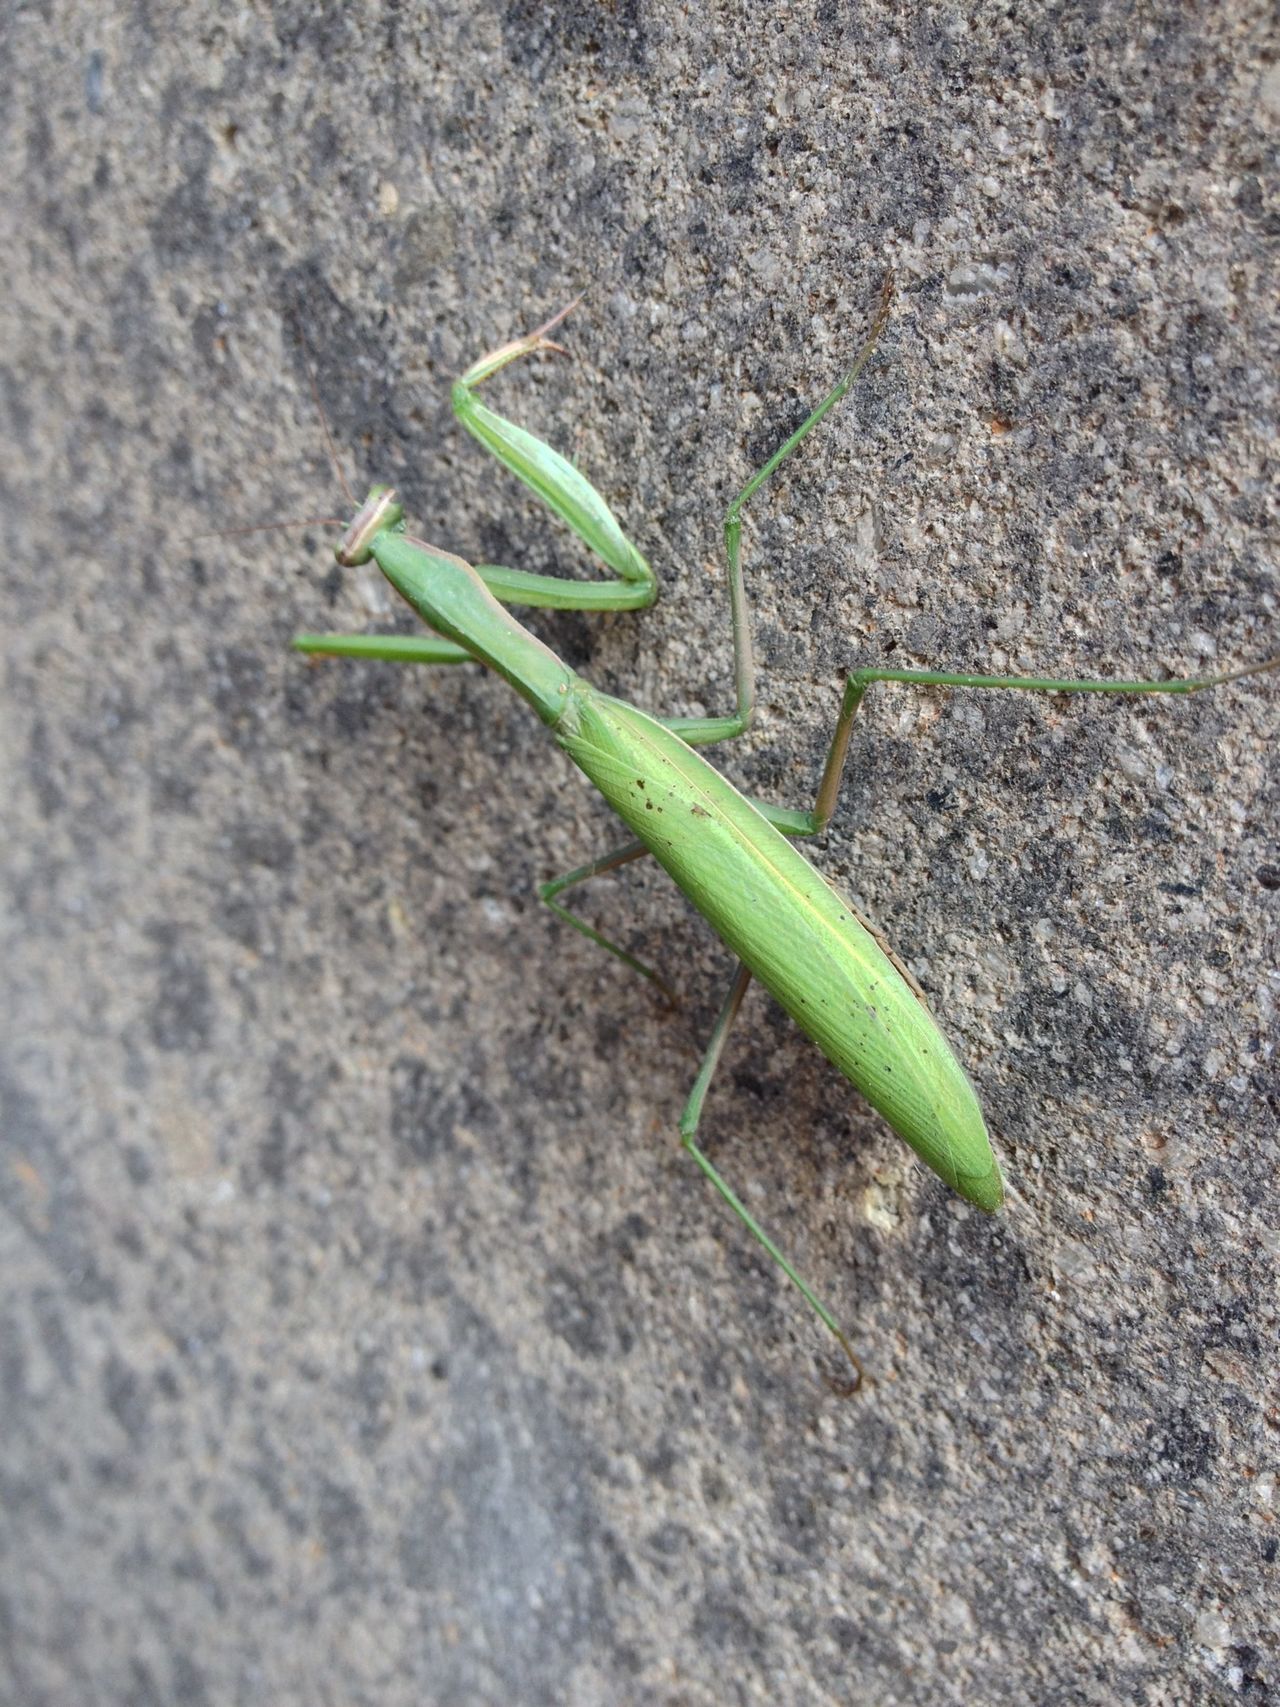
x,y
566,492
389,648
559,485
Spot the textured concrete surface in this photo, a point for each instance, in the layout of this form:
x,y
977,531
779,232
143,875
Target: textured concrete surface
x,y
365,1337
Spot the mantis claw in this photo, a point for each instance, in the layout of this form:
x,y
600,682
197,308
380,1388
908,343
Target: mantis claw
x,y
529,345
846,1389
549,325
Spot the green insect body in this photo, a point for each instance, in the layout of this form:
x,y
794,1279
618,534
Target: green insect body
x,y
786,923
731,857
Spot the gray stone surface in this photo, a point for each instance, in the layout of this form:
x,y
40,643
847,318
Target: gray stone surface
x,y
364,1335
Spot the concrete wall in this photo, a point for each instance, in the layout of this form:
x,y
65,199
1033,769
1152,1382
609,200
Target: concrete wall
x,y
365,1336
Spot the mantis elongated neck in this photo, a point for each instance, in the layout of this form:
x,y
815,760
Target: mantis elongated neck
x,y
451,598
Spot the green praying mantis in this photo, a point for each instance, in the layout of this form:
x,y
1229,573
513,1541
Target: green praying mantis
x,y
733,857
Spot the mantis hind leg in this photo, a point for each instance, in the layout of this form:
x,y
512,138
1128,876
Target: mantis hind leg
x,y
690,1120
791,824
596,868
692,1115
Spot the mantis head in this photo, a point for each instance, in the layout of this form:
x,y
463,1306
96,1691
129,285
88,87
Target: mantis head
x,y
381,510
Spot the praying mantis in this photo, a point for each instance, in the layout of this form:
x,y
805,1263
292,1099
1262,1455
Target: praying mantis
x,y
733,857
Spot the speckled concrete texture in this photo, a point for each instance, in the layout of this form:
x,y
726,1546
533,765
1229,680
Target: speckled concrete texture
x,y
365,1336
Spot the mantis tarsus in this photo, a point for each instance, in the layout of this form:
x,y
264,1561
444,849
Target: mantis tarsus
x,y
731,856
